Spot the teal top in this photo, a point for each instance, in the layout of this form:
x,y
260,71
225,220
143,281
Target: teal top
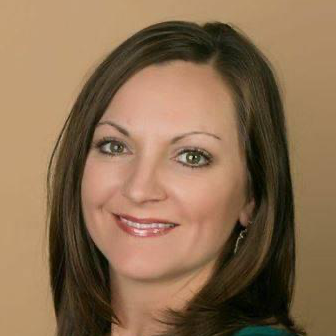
x,y
262,331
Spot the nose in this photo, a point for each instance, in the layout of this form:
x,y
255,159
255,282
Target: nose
x,y
143,184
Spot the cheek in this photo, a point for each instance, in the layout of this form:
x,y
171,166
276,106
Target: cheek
x,y
213,208
207,206
98,184
218,197
97,188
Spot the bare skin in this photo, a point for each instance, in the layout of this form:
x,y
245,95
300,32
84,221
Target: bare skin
x,y
151,178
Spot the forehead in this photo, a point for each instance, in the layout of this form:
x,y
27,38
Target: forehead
x,y
180,94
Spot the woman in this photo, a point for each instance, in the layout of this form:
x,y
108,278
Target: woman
x,y
142,240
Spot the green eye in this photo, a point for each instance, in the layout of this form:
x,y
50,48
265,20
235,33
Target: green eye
x,y
115,146
194,157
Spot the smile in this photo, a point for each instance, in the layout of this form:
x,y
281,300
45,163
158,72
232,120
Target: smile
x,y
143,230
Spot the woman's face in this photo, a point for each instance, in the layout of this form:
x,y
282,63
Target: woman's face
x,y
148,176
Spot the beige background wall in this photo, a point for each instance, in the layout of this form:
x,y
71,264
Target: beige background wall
x,y
46,50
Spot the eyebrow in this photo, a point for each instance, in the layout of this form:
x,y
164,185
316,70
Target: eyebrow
x,y
174,140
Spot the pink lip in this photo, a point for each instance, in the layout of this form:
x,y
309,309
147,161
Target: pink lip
x,y
145,220
143,233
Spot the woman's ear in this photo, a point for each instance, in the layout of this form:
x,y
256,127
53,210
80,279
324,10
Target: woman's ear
x,y
246,212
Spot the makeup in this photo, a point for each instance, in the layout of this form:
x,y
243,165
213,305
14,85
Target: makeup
x,y
143,230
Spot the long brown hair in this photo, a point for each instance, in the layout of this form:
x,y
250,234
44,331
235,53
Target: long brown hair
x,y
252,287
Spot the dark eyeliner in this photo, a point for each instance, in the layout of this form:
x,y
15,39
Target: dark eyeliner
x,y
205,154
105,140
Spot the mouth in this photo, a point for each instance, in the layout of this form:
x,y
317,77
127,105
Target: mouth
x,y
145,220
141,229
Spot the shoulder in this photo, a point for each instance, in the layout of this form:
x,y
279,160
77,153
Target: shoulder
x,y
262,331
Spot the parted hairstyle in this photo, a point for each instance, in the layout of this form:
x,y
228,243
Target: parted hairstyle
x,y
252,287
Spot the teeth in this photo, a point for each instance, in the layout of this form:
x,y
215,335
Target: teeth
x,y
145,226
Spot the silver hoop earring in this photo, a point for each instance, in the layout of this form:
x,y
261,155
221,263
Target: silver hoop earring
x,y
242,235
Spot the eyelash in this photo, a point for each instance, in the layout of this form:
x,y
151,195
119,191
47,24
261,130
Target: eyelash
x,y
105,140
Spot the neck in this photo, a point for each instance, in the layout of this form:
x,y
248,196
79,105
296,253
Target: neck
x,y
136,303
